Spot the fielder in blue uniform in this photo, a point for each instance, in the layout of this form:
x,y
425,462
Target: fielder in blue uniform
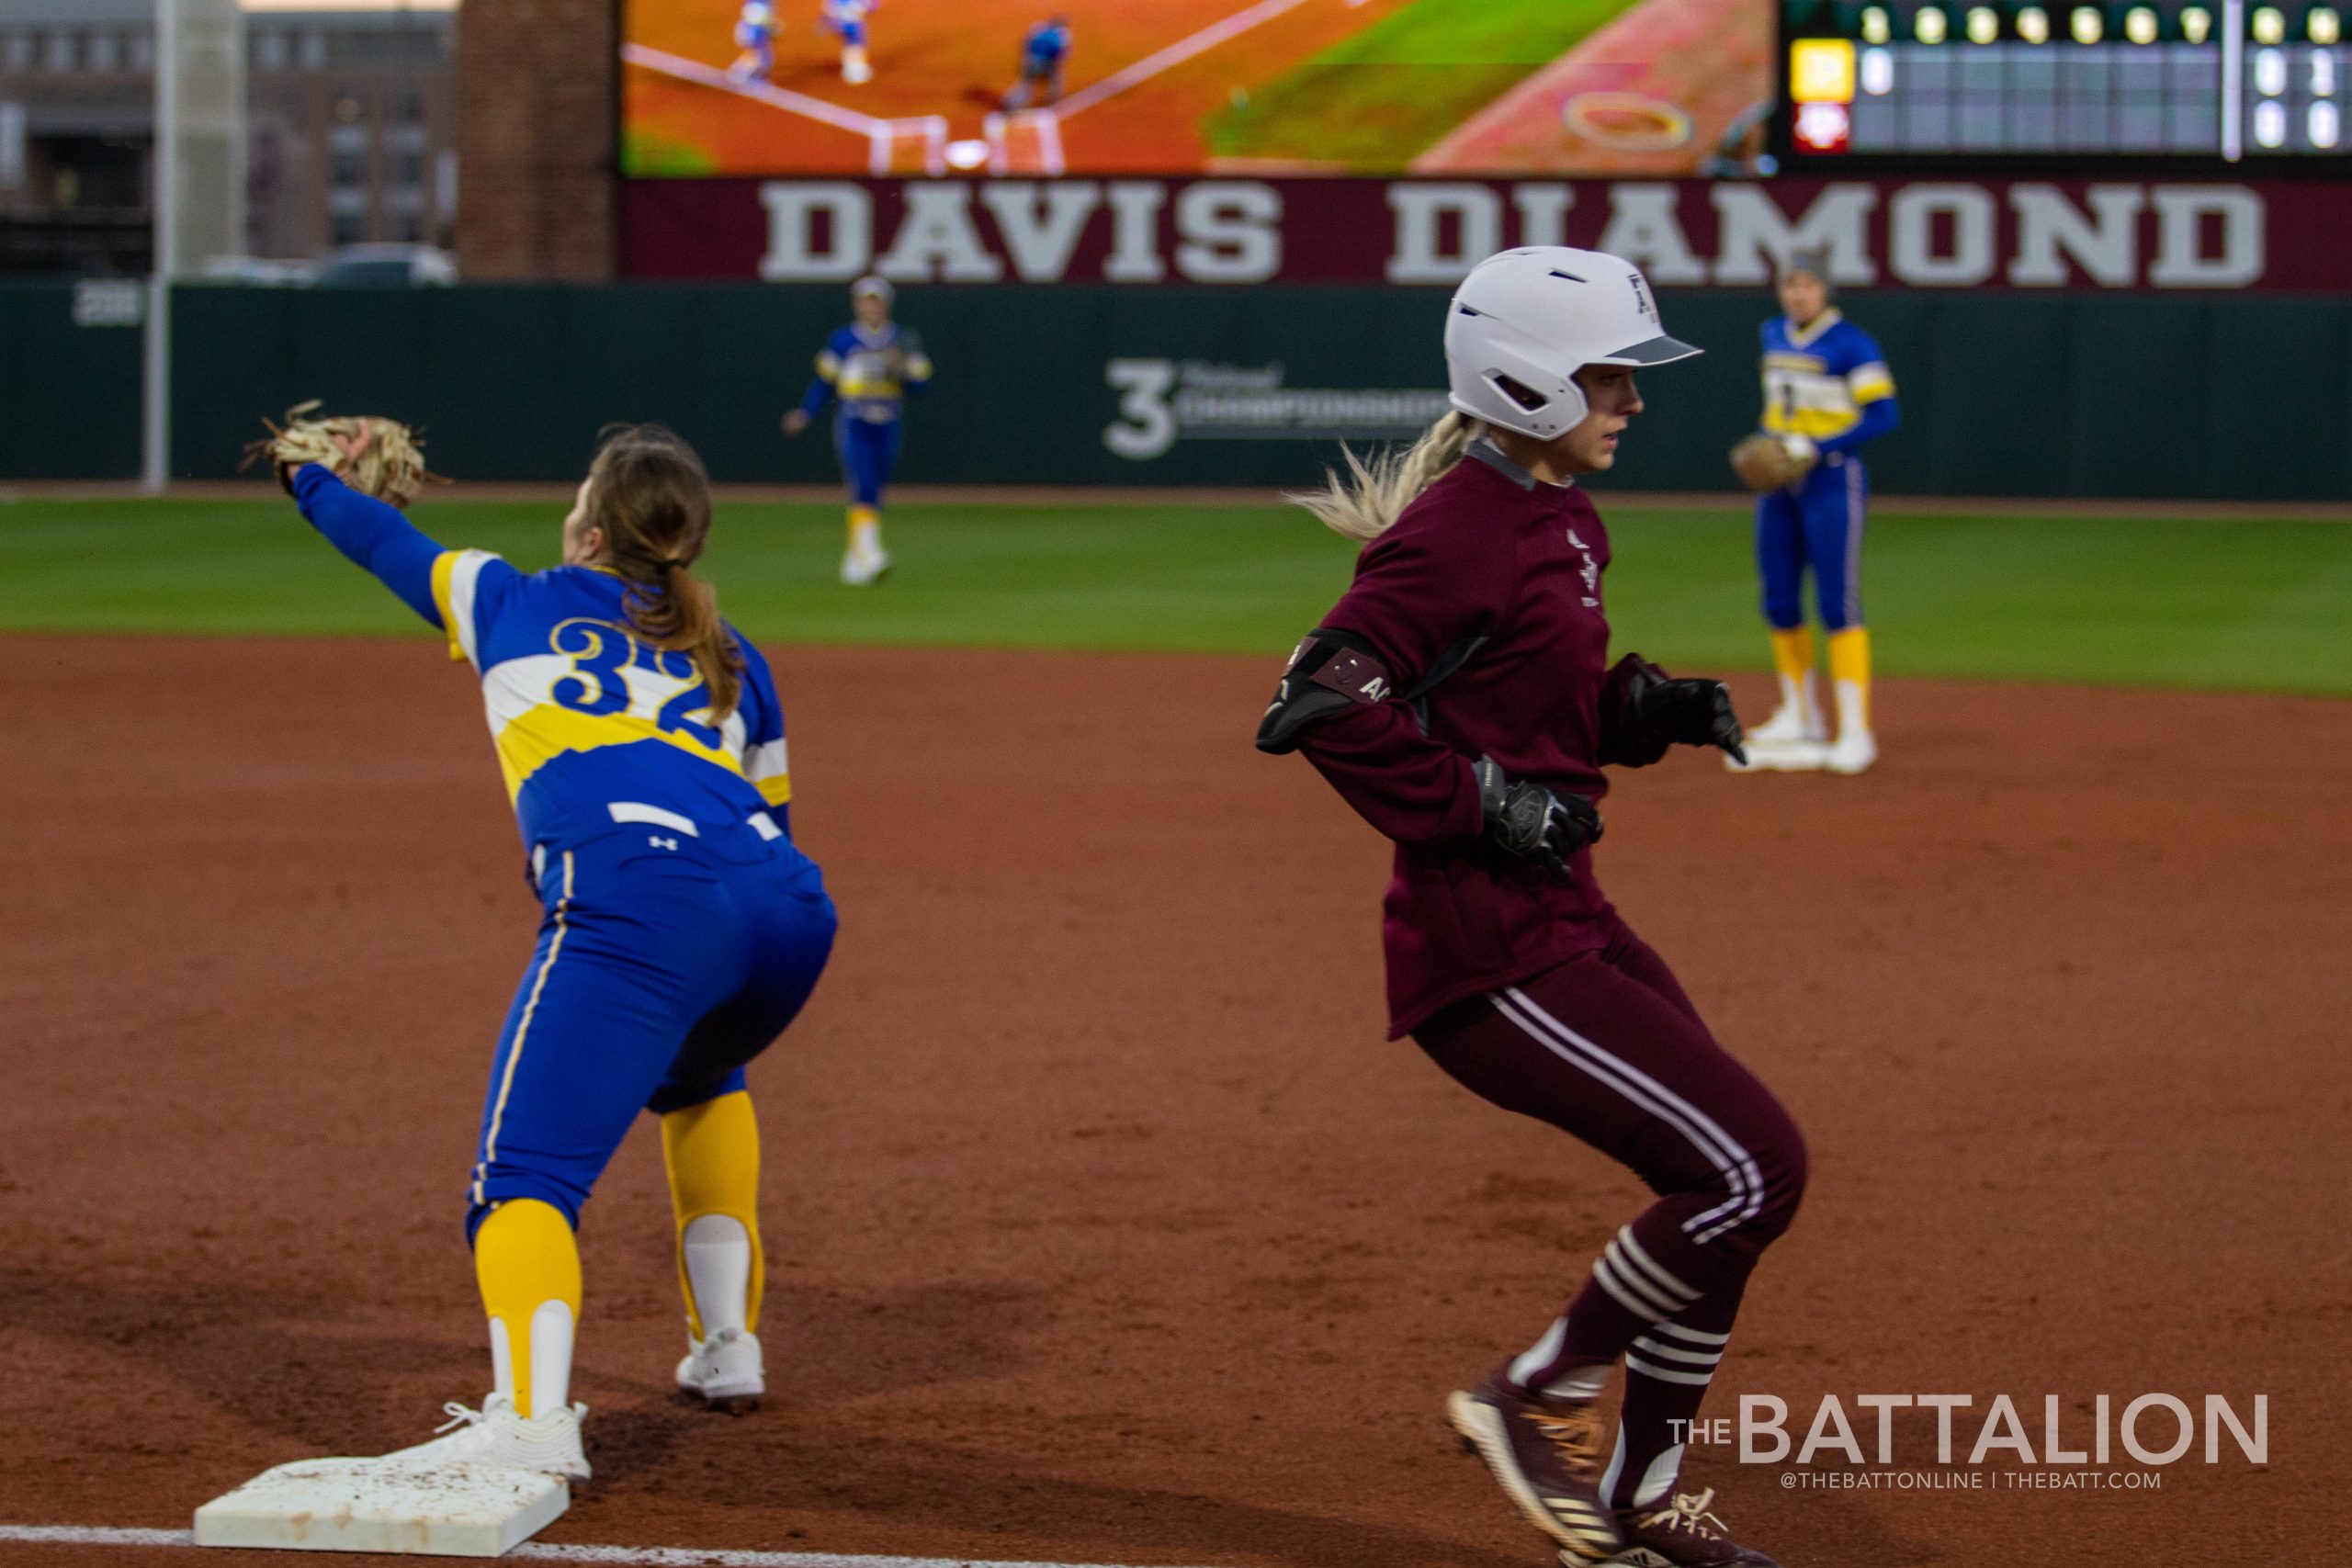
x,y
868,367
643,749
1044,55
1827,393
846,18
755,30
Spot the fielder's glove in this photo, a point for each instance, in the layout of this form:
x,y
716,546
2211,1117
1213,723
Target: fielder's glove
x,y
1771,462
1655,710
1535,823
376,456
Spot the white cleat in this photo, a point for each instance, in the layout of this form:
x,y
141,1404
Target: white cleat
x,y
1854,753
856,73
1783,757
726,1371
862,569
495,1435
1789,721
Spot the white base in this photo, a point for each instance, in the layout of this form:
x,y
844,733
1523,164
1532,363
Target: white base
x,y
370,1504
1783,757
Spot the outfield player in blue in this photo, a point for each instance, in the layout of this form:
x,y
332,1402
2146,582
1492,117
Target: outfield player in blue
x,y
1044,55
644,751
755,31
847,20
870,366
1826,393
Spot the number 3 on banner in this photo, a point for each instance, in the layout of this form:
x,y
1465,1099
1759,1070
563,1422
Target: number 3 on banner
x,y
1149,427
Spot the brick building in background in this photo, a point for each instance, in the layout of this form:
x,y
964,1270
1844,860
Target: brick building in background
x,y
538,102
351,129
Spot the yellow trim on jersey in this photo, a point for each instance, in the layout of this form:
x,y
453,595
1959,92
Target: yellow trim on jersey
x,y
1803,364
1814,424
443,566
1869,383
776,791
828,364
540,734
1800,336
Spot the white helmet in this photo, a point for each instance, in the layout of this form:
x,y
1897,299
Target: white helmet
x,y
1525,322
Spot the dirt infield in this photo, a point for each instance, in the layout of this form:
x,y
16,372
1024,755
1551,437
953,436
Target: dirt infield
x,y
956,61
1105,1227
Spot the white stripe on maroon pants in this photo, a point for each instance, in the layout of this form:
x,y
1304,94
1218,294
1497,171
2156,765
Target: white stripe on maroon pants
x,y
1737,1165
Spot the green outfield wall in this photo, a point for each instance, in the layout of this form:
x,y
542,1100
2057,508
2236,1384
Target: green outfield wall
x,y
2068,394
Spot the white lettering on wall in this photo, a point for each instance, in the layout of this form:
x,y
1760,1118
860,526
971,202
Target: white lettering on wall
x,y
1543,213
2181,258
2051,228
1756,237
793,209
1134,232
1645,228
938,242
1419,254
1911,225
1229,232
1041,242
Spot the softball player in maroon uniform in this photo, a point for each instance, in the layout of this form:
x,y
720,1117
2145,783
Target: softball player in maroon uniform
x,y
1460,696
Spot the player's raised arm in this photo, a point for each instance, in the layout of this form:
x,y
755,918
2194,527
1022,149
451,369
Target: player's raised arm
x,y
350,476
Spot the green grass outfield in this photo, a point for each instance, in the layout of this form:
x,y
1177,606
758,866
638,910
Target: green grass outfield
x,y
1378,97
2249,605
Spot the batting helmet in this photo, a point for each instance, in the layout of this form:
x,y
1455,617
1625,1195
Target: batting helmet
x,y
1525,322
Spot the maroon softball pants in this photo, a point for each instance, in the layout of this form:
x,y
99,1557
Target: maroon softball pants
x,y
1608,1048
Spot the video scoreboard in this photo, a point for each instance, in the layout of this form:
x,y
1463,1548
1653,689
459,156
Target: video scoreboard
x,y
2057,81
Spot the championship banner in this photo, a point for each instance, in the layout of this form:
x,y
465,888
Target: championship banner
x,y
2278,236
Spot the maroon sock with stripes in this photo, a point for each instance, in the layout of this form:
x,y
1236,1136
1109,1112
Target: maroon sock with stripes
x,y
1650,1272
1667,1369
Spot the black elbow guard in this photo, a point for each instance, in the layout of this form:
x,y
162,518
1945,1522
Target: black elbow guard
x,y
1330,672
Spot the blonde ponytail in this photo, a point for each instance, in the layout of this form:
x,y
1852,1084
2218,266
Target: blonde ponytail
x,y
1367,502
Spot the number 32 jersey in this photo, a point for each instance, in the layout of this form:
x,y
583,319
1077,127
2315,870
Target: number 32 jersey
x,y
584,714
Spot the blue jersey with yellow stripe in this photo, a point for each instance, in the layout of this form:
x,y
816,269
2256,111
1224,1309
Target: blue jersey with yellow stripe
x,y
871,369
1820,379
586,714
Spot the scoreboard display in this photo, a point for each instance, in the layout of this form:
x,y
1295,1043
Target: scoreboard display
x,y
1887,81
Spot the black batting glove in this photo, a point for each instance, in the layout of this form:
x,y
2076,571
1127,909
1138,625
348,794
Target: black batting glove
x,y
1692,713
1535,823
1656,710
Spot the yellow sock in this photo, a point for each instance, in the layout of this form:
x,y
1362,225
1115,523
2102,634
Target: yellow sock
x,y
864,522
713,1154
1849,667
527,1264
1793,652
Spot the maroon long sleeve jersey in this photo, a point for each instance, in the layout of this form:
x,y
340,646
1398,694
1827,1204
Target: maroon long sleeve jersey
x,y
1487,552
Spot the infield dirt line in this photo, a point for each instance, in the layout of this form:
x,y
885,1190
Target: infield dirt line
x,y
540,1551
776,97
1111,86
1175,54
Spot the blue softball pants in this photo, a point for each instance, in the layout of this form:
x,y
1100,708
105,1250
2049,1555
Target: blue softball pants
x,y
1815,523
666,962
869,452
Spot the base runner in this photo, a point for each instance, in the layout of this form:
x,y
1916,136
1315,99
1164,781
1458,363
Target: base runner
x,y
1460,696
681,929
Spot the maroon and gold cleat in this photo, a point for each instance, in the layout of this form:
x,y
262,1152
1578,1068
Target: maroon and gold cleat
x,y
1545,1453
1681,1534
